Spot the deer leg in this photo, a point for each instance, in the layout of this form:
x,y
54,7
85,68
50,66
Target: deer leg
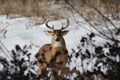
x,y
53,77
40,68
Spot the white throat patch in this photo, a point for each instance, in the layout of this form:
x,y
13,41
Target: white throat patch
x,y
57,44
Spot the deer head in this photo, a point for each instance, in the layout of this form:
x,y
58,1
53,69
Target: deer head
x,y
57,34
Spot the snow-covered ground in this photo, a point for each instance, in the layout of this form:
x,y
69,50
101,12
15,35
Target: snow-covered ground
x,y
21,31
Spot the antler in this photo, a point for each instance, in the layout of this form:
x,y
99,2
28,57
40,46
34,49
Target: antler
x,y
46,23
66,25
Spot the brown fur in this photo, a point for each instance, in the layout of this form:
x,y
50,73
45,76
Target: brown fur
x,y
49,55
54,54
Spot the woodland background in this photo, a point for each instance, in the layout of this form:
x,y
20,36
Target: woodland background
x,y
102,18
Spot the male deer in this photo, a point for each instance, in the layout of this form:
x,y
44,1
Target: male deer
x,y
55,53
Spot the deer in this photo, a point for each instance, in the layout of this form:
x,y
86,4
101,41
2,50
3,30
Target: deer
x,y
56,53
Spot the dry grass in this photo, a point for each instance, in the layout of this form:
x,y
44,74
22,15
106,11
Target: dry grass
x,y
46,8
108,7
28,8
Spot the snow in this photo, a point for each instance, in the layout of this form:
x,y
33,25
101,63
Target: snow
x,y
19,32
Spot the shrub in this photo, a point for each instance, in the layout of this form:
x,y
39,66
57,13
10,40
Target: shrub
x,y
19,66
97,61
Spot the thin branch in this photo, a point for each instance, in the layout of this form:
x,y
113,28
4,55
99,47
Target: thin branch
x,y
107,37
108,28
78,22
6,50
88,21
106,18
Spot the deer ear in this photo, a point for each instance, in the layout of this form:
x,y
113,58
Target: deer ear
x,y
65,32
49,33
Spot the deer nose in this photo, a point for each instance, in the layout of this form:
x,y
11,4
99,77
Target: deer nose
x,y
57,39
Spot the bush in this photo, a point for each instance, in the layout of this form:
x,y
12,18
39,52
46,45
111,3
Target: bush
x,y
19,67
96,62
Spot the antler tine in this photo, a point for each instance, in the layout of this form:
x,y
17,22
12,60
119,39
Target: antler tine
x,y
46,23
66,25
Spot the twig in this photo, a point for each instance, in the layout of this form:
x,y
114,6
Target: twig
x,y
5,49
107,37
88,21
105,18
108,28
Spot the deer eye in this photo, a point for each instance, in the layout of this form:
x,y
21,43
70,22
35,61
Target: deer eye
x,y
60,34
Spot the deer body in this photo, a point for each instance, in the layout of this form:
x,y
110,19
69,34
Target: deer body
x,y
54,54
